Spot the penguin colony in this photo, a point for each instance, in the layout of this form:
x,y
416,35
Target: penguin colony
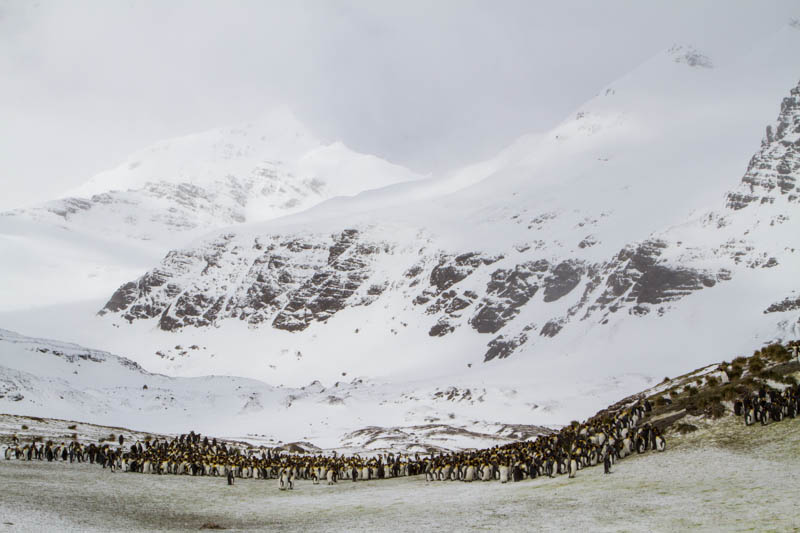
x,y
611,435
599,440
768,404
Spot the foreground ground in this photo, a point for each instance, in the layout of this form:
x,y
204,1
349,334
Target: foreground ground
x,y
724,477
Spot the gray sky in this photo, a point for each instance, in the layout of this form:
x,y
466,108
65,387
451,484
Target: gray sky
x,y
431,85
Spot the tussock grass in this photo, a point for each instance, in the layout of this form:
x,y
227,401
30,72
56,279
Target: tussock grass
x,y
703,396
684,428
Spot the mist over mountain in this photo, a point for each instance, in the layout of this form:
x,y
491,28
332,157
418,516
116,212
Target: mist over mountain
x,y
563,266
124,219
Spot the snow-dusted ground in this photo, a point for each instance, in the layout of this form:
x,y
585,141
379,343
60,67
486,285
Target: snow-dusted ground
x,y
723,478
53,379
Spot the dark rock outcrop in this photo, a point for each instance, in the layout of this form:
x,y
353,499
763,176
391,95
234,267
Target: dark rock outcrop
x,y
587,242
451,270
552,328
564,277
289,282
441,328
328,290
501,347
772,171
637,276
787,304
506,293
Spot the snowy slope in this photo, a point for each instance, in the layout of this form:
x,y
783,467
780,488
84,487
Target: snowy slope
x,y
53,379
569,251
630,242
122,220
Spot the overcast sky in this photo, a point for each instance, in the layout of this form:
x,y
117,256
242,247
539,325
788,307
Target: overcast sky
x,y
431,85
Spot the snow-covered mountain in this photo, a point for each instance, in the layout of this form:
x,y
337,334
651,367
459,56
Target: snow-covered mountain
x,y
122,220
595,240
592,260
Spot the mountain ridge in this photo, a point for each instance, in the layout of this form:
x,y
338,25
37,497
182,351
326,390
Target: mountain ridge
x,y
531,270
124,219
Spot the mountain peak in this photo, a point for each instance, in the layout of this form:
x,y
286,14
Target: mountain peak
x,y
276,136
585,231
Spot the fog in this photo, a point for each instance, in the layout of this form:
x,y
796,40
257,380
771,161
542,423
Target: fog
x,y
429,85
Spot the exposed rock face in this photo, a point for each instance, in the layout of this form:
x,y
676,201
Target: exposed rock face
x,y
500,347
637,277
772,172
562,280
122,298
136,298
588,242
328,290
290,282
451,270
787,304
506,293
441,328
552,328
447,302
